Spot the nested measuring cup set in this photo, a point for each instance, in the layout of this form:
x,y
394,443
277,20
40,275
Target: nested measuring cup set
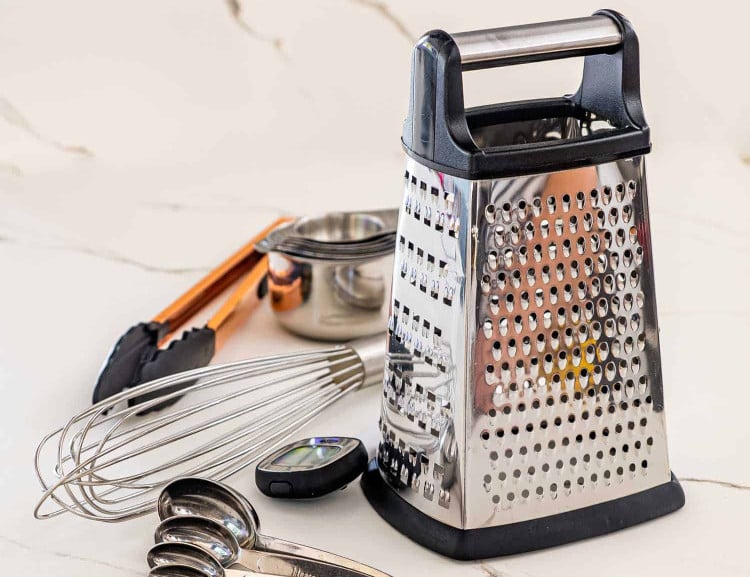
x,y
522,401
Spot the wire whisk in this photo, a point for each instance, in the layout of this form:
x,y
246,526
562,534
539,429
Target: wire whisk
x,y
109,462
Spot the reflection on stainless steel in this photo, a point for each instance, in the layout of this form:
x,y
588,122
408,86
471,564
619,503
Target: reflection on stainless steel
x,y
184,554
362,287
206,533
220,520
204,499
533,312
108,463
328,299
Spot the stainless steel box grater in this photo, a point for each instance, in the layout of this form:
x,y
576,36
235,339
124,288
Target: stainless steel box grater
x,y
522,400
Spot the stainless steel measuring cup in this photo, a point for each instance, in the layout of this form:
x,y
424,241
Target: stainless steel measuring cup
x,y
329,276
197,497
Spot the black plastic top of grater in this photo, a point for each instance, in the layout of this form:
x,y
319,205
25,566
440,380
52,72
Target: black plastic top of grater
x,y
438,131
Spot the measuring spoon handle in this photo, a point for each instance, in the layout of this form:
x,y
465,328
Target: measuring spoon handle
x,y
291,566
351,567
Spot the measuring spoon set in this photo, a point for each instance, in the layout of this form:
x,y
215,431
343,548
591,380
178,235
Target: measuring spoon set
x,y
208,529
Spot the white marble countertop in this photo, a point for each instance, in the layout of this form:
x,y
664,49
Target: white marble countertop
x,y
140,142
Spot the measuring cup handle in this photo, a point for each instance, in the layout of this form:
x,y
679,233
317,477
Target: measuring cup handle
x,y
437,132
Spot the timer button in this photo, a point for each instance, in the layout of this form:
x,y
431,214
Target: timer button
x,y
280,488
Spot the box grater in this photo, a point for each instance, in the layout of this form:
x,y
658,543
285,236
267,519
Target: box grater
x,y
522,400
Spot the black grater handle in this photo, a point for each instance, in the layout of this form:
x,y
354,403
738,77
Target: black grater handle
x,y
436,131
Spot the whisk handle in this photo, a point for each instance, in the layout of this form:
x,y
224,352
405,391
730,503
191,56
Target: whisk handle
x,y
371,352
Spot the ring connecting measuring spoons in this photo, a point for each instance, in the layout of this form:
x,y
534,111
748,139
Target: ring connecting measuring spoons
x,y
197,497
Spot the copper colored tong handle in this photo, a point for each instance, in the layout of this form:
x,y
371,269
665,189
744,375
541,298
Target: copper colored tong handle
x,y
137,357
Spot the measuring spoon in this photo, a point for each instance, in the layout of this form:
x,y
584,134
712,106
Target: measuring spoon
x,y
198,497
173,570
220,543
193,557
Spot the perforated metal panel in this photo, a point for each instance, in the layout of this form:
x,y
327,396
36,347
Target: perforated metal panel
x,y
524,378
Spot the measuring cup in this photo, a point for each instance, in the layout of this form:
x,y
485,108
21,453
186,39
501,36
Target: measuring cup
x,y
197,497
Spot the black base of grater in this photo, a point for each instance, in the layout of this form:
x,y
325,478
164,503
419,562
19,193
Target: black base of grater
x,y
523,536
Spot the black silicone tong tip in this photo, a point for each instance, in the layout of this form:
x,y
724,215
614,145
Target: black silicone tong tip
x,y
126,357
193,350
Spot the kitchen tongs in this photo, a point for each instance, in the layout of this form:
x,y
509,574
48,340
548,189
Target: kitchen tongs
x,y
138,356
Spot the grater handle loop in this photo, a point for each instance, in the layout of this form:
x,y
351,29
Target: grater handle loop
x,y
438,128
538,41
